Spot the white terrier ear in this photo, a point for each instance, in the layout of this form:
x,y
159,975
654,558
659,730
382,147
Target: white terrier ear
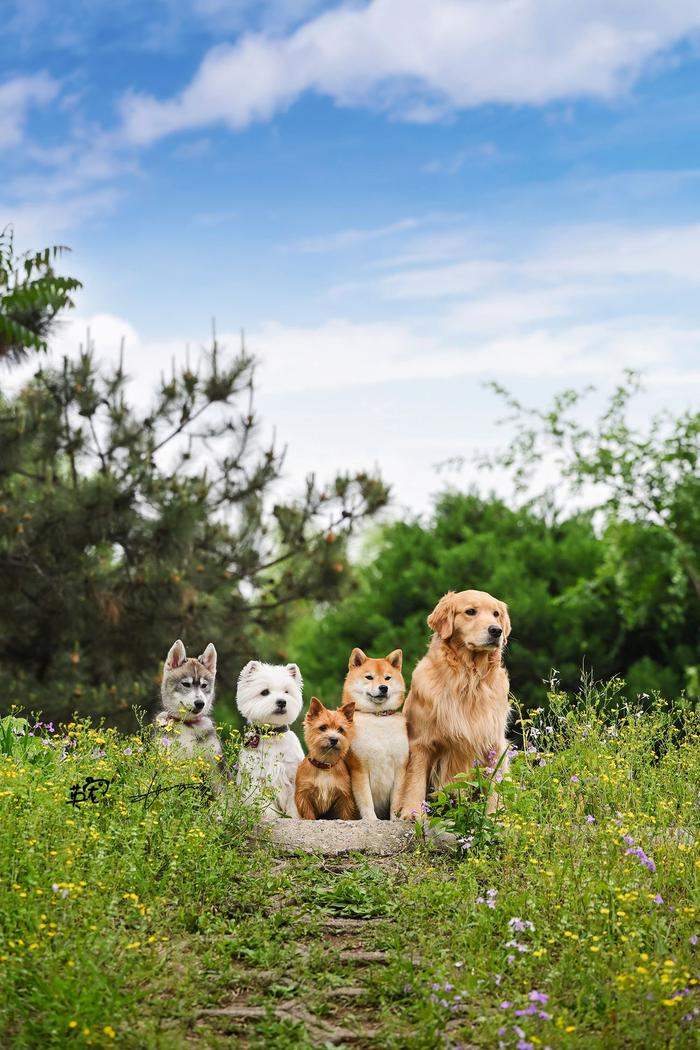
x,y
250,669
176,656
293,670
208,658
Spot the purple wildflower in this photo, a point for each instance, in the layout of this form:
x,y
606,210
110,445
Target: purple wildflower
x,y
575,779
658,899
693,939
518,925
128,750
538,997
590,819
506,1005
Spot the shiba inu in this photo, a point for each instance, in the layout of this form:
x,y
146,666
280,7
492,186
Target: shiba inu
x,y
323,783
269,697
380,743
187,693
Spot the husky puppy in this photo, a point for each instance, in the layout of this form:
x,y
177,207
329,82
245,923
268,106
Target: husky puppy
x,y
187,694
380,743
269,698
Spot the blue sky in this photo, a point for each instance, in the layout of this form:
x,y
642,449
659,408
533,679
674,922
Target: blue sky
x,y
397,200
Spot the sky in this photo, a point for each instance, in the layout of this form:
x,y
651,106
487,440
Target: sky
x,y
397,201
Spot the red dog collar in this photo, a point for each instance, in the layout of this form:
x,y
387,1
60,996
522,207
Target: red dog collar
x,y
319,765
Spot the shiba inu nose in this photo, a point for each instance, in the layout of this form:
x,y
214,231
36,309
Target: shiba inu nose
x,y
495,632
281,705
198,705
383,689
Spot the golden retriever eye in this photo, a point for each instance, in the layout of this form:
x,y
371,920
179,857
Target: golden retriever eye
x,y
470,612
496,614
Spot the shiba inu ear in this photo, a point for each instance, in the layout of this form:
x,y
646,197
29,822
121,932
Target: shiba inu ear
x,y
357,657
442,618
176,655
348,710
395,659
250,668
315,708
208,658
293,670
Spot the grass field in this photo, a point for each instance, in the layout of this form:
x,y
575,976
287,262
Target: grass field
x,y
157,923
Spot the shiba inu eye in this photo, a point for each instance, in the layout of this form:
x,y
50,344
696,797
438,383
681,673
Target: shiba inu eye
x,y
265,692
387,677
369,677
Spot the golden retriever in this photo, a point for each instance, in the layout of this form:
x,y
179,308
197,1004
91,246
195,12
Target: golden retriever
x,y
457,708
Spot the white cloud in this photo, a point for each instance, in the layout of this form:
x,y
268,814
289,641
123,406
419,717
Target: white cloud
x,y
348,238
37,221
419,60
17,97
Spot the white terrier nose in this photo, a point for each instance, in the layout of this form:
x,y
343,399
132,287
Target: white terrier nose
x,y
281,705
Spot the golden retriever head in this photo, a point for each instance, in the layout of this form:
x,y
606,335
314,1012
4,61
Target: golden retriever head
x,y
473,619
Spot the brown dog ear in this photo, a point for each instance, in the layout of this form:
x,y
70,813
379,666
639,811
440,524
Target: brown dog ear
x,y
315,707
505,620
348,710
357,658
442,618
395,659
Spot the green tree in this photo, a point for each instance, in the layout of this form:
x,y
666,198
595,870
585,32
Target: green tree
x,y
32,295
121,530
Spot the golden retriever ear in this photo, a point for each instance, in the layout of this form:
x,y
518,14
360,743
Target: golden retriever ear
x,y
505,620
348,710
357,658
315,707
395,659
442,618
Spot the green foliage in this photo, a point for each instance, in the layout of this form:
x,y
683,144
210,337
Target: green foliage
x,y
164,927
122,529
32,294
614,588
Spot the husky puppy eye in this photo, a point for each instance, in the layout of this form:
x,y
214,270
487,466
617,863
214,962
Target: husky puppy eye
x,y
470,612
322,729
186,683
265,692
204,685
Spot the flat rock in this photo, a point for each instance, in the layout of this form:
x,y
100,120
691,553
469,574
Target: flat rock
x,y
334,838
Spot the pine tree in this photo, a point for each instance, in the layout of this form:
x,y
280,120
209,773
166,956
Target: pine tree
x,y
121,530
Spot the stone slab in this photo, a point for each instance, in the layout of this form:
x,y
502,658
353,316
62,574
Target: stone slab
x,y
336,838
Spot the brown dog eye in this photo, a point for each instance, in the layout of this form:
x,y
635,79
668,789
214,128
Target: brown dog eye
x,y
322,729
471,612
341,730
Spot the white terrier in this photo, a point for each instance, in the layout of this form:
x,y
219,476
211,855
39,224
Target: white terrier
x,y
269,698
187,693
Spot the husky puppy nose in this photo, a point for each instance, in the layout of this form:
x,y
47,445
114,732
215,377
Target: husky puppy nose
x,y
198,705
495,632
383,689
281,705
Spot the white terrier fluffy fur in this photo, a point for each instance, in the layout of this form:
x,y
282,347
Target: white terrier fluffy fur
x,y
269,697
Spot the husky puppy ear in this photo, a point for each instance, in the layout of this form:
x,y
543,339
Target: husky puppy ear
x,y
250,669
293,670
357,658
176,656
348,710
315,708
208,658
395,659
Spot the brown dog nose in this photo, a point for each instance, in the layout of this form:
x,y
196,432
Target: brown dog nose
x,y
495,632
333,740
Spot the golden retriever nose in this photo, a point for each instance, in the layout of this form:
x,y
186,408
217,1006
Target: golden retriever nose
x,y
495,632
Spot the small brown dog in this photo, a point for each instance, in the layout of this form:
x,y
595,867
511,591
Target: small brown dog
x,y
324,784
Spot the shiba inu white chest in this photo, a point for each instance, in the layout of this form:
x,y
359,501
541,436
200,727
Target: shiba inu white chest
x,y
381,746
